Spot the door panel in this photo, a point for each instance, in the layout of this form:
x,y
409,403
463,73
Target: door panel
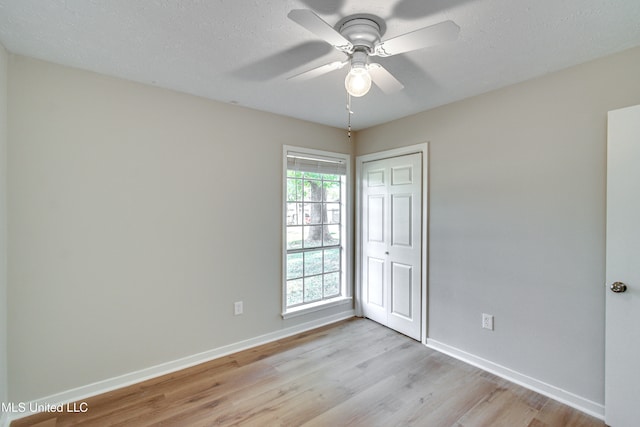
x,y
375,219
374,284
401,220
401,175
375,178
391,230
622,349
401,290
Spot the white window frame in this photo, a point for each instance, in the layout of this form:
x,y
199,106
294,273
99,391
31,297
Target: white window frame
x,y
346,281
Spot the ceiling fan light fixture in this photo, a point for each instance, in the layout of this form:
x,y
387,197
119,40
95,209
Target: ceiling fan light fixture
x,y
358,81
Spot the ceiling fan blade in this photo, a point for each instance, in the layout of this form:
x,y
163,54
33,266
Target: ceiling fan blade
x,y
443,32
318,71
384,79
312,22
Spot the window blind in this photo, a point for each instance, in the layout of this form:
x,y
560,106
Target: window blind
x,y
318,164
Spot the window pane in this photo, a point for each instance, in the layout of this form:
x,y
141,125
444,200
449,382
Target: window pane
x,y
332,191
331,284
331,260
291,190
328,177
294,292
294,213
331,235
294,237
313,175
294,265
294,190
312,288
332,213
312,236
312,191
314,212
312,263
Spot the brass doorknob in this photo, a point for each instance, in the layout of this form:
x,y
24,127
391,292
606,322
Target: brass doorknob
x,y
618,287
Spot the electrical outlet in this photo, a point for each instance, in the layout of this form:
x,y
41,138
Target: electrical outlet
x,y
487,321
237,308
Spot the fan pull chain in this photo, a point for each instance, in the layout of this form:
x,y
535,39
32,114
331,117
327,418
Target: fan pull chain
x,y
349,113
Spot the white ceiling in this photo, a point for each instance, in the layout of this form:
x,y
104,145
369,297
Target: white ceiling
x,y
241,51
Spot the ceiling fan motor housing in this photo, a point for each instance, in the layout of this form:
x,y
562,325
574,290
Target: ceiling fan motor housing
x,y
363,33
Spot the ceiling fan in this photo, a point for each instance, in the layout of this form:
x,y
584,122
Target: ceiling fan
x,y
359,37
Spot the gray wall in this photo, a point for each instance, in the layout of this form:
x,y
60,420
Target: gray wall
x,y
517,219
137,216
3,223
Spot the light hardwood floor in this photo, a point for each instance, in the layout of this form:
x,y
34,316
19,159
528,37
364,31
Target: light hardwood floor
x,y
353,373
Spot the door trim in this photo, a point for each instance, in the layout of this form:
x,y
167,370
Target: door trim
x,y
396,152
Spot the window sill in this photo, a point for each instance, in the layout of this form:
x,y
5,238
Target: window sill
x,y
321,305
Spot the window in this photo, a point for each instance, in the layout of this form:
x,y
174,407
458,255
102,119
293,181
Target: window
x,y
315,229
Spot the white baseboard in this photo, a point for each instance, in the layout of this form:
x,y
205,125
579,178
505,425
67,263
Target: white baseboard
x,y
580,403
84,392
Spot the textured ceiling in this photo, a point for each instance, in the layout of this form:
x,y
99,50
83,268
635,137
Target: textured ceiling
x,y
242,51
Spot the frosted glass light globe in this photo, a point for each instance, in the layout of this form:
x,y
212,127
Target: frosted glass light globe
x,y
358,81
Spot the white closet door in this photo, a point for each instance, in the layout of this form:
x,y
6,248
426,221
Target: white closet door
x,y
391,242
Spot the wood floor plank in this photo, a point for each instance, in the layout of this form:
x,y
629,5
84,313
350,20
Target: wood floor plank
x,y
445,401
354,373
412,396
502,408
557,414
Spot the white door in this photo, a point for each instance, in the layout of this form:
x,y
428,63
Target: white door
x,y
622,350
391,242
